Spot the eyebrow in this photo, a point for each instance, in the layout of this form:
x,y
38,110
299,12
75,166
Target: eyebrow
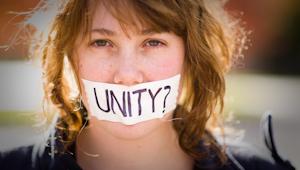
x,y
103,31
108,32
148,32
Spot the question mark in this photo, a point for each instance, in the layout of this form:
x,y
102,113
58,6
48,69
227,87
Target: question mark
x,y
166,87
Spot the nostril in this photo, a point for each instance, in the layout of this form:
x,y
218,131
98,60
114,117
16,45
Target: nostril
x,y
128,77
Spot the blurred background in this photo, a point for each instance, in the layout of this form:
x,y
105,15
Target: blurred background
x,y
267,79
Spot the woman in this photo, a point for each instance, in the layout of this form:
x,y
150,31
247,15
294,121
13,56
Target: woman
x,y
148,79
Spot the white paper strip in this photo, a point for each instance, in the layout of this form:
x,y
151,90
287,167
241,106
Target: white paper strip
x,y
132,104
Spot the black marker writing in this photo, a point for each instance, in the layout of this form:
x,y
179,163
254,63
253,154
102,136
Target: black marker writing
x,y
153,98
122,102
129,104
113,98
107,102
166,87
139,98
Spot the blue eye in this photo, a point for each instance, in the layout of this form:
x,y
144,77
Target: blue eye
x,y
101,43
154,43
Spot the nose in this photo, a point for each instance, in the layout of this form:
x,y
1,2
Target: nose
x,y
128,70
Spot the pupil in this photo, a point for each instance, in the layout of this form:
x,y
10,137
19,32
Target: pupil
x,y
101,43
153,43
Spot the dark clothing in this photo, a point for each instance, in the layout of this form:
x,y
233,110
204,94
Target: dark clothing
x,y
20,159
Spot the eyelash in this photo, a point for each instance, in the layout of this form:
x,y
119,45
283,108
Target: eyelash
x,y
147,43
158,43
94,43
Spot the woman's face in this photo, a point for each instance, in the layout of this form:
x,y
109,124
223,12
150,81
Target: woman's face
x,y
113,56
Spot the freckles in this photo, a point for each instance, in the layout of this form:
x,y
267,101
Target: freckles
x,y
80,68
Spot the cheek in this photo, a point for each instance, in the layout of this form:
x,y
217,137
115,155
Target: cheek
x,y
95,70
175,57
164,65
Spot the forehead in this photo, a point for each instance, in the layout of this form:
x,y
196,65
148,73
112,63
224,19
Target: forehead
x,y
103,18
110,18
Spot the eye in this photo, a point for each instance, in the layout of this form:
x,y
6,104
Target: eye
x,y
154,43
101,43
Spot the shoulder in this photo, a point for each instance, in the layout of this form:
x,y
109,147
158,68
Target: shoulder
x,y
16,159
245,159
23,158
238,158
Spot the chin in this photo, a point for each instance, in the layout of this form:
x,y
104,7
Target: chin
x,y
130,132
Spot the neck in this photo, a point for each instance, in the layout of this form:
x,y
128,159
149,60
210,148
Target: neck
x,y
157,150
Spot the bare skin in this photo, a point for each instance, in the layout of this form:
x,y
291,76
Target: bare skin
x,y
96,149
129,59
